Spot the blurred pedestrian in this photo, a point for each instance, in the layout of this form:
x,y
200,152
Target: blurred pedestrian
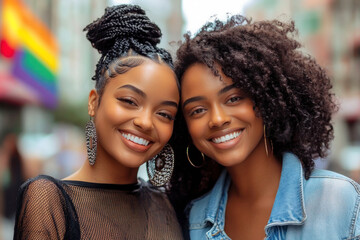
x,y
11,172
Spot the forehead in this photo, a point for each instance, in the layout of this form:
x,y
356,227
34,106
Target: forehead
x,y
198,79
148,77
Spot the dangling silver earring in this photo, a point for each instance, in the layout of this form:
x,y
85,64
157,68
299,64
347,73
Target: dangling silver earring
x,y
91,141
160,167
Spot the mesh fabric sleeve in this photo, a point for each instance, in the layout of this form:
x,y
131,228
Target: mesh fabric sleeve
x,y
45,211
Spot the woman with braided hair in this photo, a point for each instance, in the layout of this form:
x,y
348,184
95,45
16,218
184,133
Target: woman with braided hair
x,y
132,110
258,111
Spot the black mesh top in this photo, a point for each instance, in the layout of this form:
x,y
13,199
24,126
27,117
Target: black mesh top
x,y
53,209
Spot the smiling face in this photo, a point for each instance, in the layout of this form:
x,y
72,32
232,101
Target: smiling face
x,y
134,119
220,118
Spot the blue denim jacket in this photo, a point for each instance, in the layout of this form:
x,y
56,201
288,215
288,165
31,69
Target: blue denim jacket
x,y
326,206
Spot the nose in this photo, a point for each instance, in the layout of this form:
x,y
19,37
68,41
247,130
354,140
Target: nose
x,y
218,117
144,120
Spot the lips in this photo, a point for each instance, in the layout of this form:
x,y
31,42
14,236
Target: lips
x,y
227,137
135,139
135,142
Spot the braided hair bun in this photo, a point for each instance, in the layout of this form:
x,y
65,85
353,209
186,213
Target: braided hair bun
x,y
123,28
122,22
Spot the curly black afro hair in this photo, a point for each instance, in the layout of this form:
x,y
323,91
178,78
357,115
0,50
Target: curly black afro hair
x,y
125,37
290,90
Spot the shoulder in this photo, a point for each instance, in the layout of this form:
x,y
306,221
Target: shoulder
x,y
41,180
333,195
329,186
42,183
42,190
156,193
148,187
155,198
44,210
331,180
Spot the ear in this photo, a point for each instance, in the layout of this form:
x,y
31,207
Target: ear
x,y
93,102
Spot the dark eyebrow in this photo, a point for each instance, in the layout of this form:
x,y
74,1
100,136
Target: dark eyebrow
x,y
199,98
138,91
225,89
193,99
135,89
170,103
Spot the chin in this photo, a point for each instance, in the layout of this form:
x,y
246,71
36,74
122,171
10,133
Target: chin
x,y
229,161
130,161
132,164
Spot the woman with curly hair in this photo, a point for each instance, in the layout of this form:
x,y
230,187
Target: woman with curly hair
x,y
132,110
258,111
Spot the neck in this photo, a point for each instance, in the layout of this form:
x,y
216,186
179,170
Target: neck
x,y
257,177
105,170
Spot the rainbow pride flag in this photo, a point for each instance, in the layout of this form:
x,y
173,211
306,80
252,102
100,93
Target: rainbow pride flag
x,y
31,49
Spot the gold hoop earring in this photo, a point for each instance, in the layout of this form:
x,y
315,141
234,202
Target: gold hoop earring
x,y
192,164
265,141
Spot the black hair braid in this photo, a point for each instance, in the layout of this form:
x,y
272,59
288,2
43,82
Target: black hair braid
x,y
123,21
123,29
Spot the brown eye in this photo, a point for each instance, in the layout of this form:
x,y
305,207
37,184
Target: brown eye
x,y
234,99
197,111
165,115
127,101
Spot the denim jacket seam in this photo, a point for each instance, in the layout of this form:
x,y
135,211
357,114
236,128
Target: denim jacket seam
x,y
222,205
219,221
356,207
202,222
302,195
352,238
355,185
302,199
354,217
209,233
197,226
285,223
216,225
216,220
217,228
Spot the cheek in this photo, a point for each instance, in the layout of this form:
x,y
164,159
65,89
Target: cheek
x,y
246,113
254,123
112,113
196,128
108,117
165,131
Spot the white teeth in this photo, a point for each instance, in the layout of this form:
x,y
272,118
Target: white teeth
x,y
227,137
135,139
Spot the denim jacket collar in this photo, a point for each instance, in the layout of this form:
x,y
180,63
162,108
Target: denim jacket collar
x,y
218,197
288,208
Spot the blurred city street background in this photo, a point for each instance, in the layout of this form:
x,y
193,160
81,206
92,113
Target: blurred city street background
x,y
46,65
